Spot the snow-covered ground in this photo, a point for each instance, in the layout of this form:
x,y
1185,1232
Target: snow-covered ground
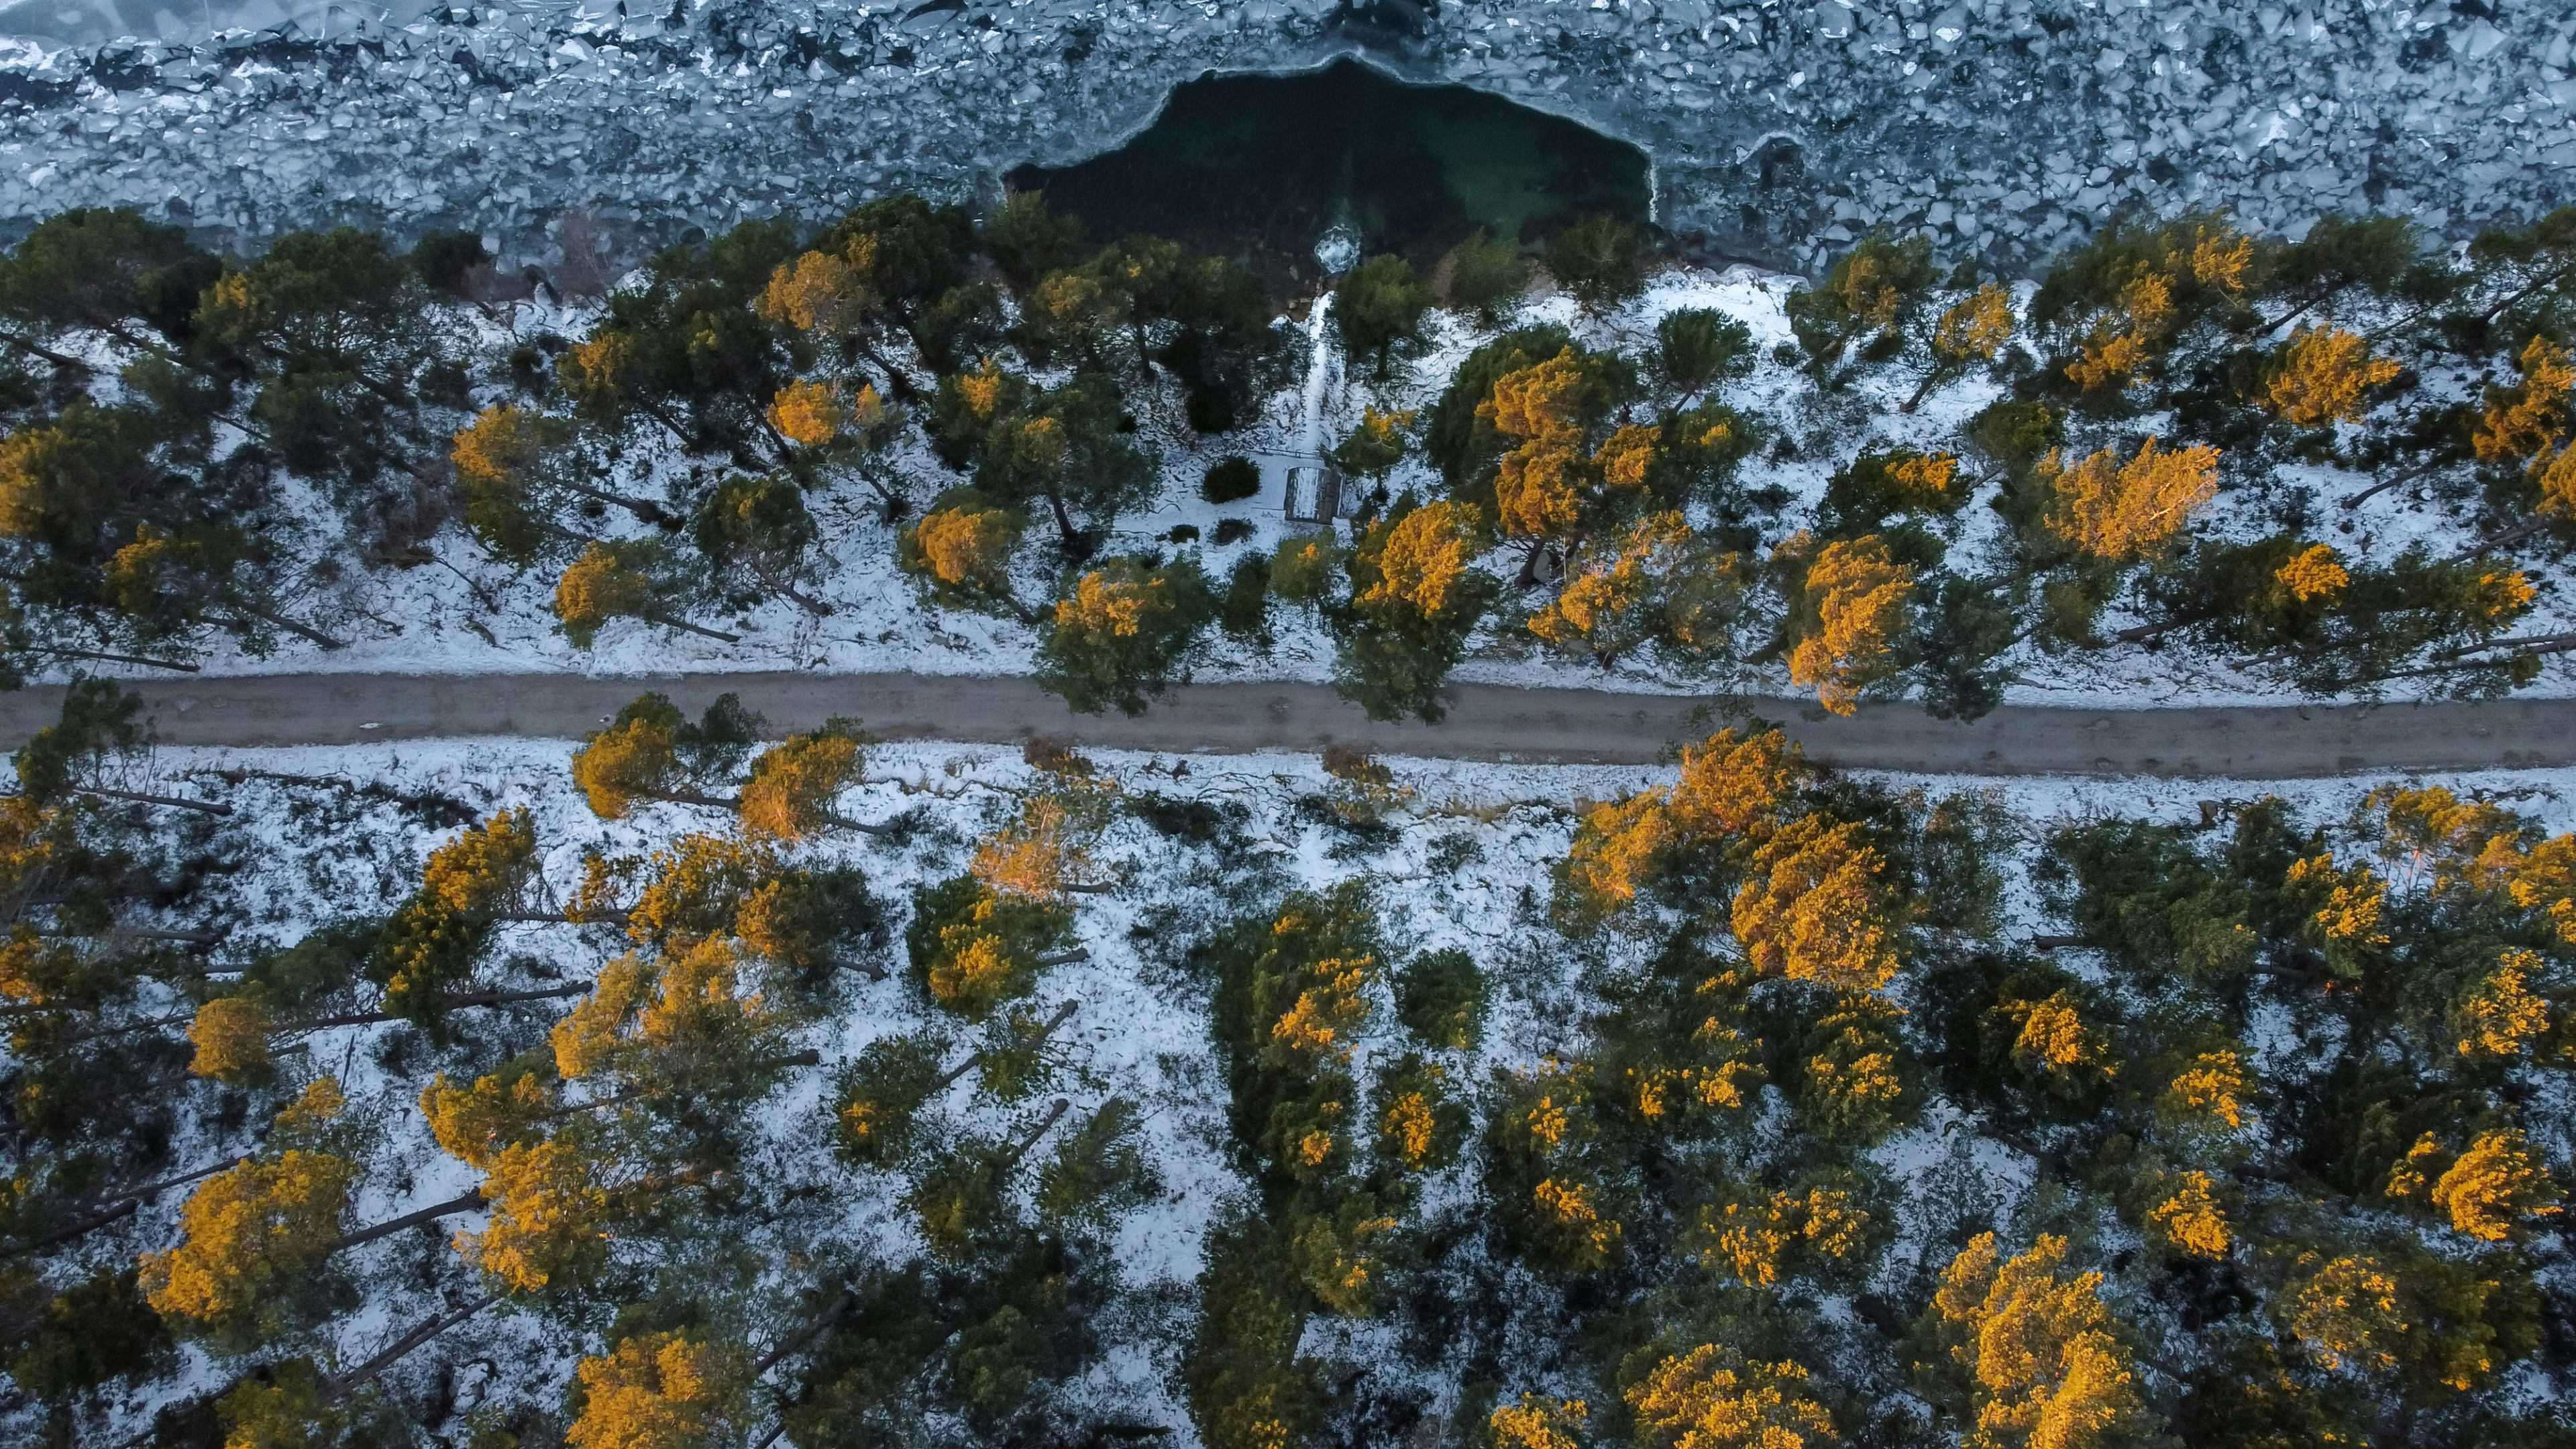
x,y
465,614
1463,861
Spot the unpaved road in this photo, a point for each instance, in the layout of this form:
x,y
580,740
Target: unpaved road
x,y
1485,722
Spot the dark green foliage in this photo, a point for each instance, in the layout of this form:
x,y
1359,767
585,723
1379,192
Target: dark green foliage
x,y
1247,1386
2373,253
1967,626
947,915
687,343
1867,298
755,534
1877,486
878,1099
1377,308
907,251
1485,274
965,325
1391,656
108,269
1223,347
441,259
1084,462
1596,259
1097,1171
100,722
1697,348
1230,480
2370,629
1027,241
96,1332
2143,894
1243,612
1440,997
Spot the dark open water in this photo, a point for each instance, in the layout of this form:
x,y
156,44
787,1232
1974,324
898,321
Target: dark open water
x,y
1261,166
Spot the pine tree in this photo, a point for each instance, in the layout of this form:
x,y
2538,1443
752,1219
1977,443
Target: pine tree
x,y
650,751
1855,603
659,1391
1710,1398
758,538
1697,348
1377,308
1970,331
976,947
1377,445
1596,259
1869,296
960,553
2123,511
518,471
1537,1421
2037,1354
2321,375
1485,272
1124,633
1661,586
1415,597
792,786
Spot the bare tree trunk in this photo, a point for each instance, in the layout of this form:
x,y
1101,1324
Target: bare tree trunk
x,y
267,616
122,1207
2355,500
207,806
340,1386
668,622
56,358
868,969
691,797
1021,1148
147,933
649,512
147,663
2509,537
795,1341
453,1003
465,1203
802,600
949,1078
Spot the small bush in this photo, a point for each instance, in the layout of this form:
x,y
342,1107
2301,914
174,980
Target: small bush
x,y
1232,530
1182,533
1231,480
1440,996
1485,273
1244,612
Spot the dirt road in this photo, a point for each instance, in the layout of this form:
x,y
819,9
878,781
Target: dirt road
x,y
1485,722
